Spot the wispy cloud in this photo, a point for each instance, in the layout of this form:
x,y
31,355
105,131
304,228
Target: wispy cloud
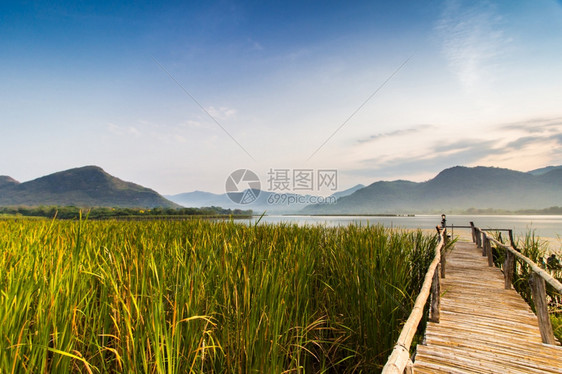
x,y
143,131
472,39
123,130
396,133
192,124
505,145
536,125
221,112
535,132
440,156
525,141
255,45
463,146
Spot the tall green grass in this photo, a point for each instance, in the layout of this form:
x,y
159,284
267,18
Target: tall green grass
x,y
203,297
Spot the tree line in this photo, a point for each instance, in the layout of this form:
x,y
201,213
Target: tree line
x,y
73,212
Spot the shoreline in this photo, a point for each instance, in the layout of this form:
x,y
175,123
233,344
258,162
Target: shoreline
x,y
554,245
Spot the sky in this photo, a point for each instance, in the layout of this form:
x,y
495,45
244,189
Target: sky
x,y
176,95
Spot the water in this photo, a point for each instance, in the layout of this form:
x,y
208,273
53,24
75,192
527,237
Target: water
x,y
544,226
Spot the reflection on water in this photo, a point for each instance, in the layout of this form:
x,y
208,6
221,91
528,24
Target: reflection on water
x,y
544,226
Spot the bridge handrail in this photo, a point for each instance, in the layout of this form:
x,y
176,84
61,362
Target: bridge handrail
x,y
542,273
400,356
537,280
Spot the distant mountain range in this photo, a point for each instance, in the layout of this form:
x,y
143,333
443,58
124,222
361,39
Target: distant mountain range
x,y
88,186
544,170
267,201
452,190
455,189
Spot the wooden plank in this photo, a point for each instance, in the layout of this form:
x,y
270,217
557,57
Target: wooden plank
x,y
501,346
489,362
543,274
484,327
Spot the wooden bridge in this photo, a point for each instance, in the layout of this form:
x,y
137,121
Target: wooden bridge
x,y
478,323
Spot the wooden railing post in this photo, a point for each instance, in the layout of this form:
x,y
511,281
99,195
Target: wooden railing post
x,y
484,251
488,247
541,308
473,230
435,297
478,238
510,232
537,281
444,256
508,269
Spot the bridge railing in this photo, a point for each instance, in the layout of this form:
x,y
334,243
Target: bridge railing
x,y
399,360
537,282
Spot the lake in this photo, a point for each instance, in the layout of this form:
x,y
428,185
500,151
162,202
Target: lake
x,y
544,226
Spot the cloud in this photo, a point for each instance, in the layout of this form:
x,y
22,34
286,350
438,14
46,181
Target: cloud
x,y
401,132
179,138
536,125
525,141
221,113
537,132
463,145
439,156
255,45
472,40
535,141
123,130
144,131
192,124
514,145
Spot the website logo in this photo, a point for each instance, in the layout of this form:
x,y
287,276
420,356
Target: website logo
x,y
243,186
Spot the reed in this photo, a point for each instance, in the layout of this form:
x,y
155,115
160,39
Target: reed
x,y
200,296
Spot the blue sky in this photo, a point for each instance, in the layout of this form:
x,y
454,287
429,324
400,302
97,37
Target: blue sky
x,y
84,83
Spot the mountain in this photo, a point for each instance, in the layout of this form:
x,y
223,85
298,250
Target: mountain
x,y
454,189
271,202
6,181
199,199
349,191
87,186
544,170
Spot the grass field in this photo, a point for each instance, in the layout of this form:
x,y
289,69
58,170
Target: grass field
x,y
201,296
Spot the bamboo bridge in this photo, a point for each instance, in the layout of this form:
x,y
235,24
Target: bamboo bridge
x,y
478,323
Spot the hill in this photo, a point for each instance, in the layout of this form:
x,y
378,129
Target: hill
x,y
455,189
348,192
267,201
271,202
88,186
199,199
544,170
6,181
